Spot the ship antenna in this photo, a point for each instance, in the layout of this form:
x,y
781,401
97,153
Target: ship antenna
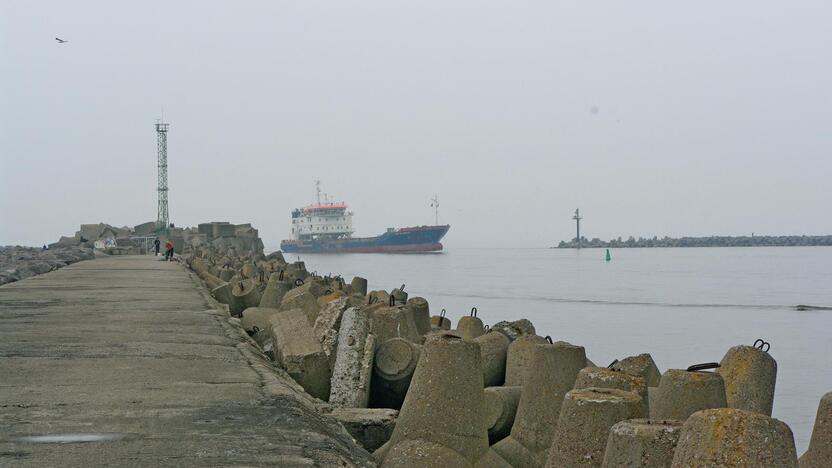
x,y
318,191
434,203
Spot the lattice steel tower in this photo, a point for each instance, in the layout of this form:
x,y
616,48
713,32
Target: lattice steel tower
x,y
162,219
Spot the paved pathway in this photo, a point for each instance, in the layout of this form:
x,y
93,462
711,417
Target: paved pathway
x,y
128,349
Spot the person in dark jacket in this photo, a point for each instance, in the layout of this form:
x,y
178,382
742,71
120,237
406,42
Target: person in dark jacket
x,y
156,246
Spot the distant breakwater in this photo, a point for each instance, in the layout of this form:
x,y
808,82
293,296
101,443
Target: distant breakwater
x,y
711,241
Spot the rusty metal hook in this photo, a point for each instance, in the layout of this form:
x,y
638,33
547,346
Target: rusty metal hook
x,y
761,343
704,366
549,339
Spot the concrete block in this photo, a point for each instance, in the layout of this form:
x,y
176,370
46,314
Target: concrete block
x,y
602,377
350,386
391,322
421,314
275,290
440,322
750,375
299,352
643,443
470,326
304,301
371,427
584,425
681,393
399,295
550,375
358,285
393,368
493,349
255,319
248,292
820,445
640,366
327,324
732,437
500,409
519,356
444,405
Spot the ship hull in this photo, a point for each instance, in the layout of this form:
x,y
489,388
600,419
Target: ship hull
x,y
413,239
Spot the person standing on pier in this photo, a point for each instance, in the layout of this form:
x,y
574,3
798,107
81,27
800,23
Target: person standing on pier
x,y
156,245
168,251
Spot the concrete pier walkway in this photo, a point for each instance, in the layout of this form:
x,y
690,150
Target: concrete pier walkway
x,y
126,361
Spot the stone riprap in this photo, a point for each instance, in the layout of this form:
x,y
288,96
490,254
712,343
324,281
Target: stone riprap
x,y
17,263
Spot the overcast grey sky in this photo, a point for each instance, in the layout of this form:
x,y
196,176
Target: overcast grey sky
x,y
712,117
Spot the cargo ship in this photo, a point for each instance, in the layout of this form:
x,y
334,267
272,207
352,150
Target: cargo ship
x,y
326,227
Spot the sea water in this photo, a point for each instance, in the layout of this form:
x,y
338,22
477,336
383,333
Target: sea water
x,y
682,305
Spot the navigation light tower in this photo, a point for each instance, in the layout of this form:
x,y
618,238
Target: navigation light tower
x,y
162,219
578,219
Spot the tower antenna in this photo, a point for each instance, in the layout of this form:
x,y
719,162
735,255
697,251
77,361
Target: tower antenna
x,y
578,219
162,218
434,203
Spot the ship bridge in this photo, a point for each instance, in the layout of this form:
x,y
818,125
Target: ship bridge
x,y
322,221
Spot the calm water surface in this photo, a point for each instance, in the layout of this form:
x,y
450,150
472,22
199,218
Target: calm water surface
x,y
683,306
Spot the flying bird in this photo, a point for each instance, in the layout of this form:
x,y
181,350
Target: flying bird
x,y
60,41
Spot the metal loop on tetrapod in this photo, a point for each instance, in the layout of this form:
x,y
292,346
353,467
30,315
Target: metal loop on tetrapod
x,y
703,366
392,301
473,311
612,364
298,282
549,339
762,345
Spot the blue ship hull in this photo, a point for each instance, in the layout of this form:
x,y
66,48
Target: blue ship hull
x,y
412,239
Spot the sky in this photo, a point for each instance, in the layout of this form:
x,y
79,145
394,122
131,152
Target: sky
x,y
654,117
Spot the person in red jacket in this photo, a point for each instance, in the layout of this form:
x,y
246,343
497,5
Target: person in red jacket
x,y
169,250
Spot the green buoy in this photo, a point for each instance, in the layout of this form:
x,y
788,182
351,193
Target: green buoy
x,y
608,255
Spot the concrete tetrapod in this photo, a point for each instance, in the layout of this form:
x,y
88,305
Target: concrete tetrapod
x,y
441,422
732,437
255,319
550,375
601,377
584,425
519,356
274,292
440,322
640,366
350,385
500,409
493,348
643,443
820,445
395,362
681,393
470,326
421,314
248,291
750,375
358,285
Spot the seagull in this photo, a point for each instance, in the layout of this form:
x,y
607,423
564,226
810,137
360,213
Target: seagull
x,y
60,41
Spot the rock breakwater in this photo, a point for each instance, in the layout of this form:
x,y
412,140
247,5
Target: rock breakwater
x,y
418,392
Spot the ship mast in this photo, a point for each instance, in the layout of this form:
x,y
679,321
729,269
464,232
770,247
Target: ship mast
x,y
434,203
318,191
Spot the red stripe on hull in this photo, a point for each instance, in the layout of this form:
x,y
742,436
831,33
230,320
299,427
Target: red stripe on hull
x,y
405,248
